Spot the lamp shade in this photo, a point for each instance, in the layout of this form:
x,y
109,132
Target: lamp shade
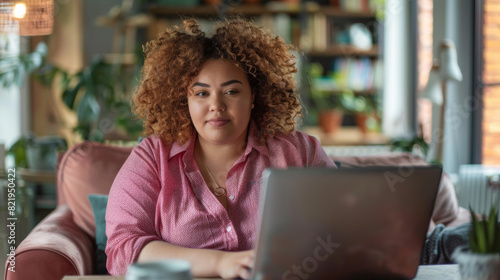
x,y
433,90
27,18
449,69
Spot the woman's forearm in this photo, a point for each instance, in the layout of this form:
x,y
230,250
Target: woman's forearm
x,y
204,262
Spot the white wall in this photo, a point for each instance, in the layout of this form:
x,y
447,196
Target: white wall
x,y
14,102
97,39
398,70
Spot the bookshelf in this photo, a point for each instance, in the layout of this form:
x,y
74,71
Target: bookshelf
x,y
321,32
257,10
342,50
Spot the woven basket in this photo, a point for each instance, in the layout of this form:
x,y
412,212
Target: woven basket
x,y
39,18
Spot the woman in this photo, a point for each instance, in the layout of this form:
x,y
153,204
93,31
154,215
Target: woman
x,y
219,110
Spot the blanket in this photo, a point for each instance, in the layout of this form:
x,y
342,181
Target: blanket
x,y
442,242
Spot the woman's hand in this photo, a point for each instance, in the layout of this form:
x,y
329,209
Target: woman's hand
x,y
235,264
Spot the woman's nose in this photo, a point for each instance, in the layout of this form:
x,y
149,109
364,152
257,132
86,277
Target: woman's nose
x,y
217,104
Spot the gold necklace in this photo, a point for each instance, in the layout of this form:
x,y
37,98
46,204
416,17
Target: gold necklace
x,y
219,191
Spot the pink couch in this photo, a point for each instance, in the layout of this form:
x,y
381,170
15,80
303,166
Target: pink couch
x,y
63,243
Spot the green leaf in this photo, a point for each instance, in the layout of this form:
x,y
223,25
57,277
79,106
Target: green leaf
x,y
20,74
18,151
83,130
42,48
88,109
473,238
69,95
481,236
96,136
33,61
491,225
65,79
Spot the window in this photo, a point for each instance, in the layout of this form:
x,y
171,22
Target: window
x,y
489,82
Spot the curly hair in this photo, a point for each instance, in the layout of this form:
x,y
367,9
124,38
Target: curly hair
x,y
175,58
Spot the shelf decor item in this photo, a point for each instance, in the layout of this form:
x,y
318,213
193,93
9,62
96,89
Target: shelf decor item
x,y
360,36
27,18
326,105
481,260
364,109
442,71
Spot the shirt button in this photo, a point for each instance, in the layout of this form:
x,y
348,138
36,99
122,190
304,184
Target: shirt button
x,y
231,197
228,228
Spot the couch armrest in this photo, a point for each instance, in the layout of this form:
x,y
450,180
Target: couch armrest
x,y
54,248
462,218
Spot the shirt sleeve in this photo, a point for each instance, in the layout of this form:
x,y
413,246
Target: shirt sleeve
x,y
313,152
297,149
130,213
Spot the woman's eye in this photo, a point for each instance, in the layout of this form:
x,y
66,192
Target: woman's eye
x,y
201,93
231,91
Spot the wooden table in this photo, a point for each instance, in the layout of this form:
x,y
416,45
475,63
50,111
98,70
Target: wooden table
x,y
425,272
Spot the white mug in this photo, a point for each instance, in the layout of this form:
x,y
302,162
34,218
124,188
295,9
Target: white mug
x,y
166,269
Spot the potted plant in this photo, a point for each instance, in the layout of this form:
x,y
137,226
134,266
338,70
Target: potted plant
x,y
101,90
326,106
98,93
481,259
363,108
13,68
330,111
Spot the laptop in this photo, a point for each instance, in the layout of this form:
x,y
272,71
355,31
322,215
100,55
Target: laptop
x,y
352,223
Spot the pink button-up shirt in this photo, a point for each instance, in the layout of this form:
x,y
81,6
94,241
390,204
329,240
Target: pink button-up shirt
x,y
160,194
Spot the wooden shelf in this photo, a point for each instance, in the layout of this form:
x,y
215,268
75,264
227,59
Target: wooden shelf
x,y
355,92
256,10
340,13
347,136
348,51
37,176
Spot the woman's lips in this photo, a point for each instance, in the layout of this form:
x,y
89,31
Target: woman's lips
x,y
218,122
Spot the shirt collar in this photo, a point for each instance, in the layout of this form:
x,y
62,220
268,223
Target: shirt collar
x,y
252,143
177,148
253,140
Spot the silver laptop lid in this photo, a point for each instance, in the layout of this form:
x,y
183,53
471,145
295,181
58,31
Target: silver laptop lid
x,y
324,223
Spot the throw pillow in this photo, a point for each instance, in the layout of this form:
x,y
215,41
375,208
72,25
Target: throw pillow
x,y
99,203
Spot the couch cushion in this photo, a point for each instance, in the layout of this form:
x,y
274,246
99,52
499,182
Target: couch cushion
x,y
87,168
446,209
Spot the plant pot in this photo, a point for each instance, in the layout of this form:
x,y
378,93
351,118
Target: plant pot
x,y
41,153
474,266
362,120
330,120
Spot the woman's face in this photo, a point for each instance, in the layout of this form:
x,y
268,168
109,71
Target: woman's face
x,y
220,102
